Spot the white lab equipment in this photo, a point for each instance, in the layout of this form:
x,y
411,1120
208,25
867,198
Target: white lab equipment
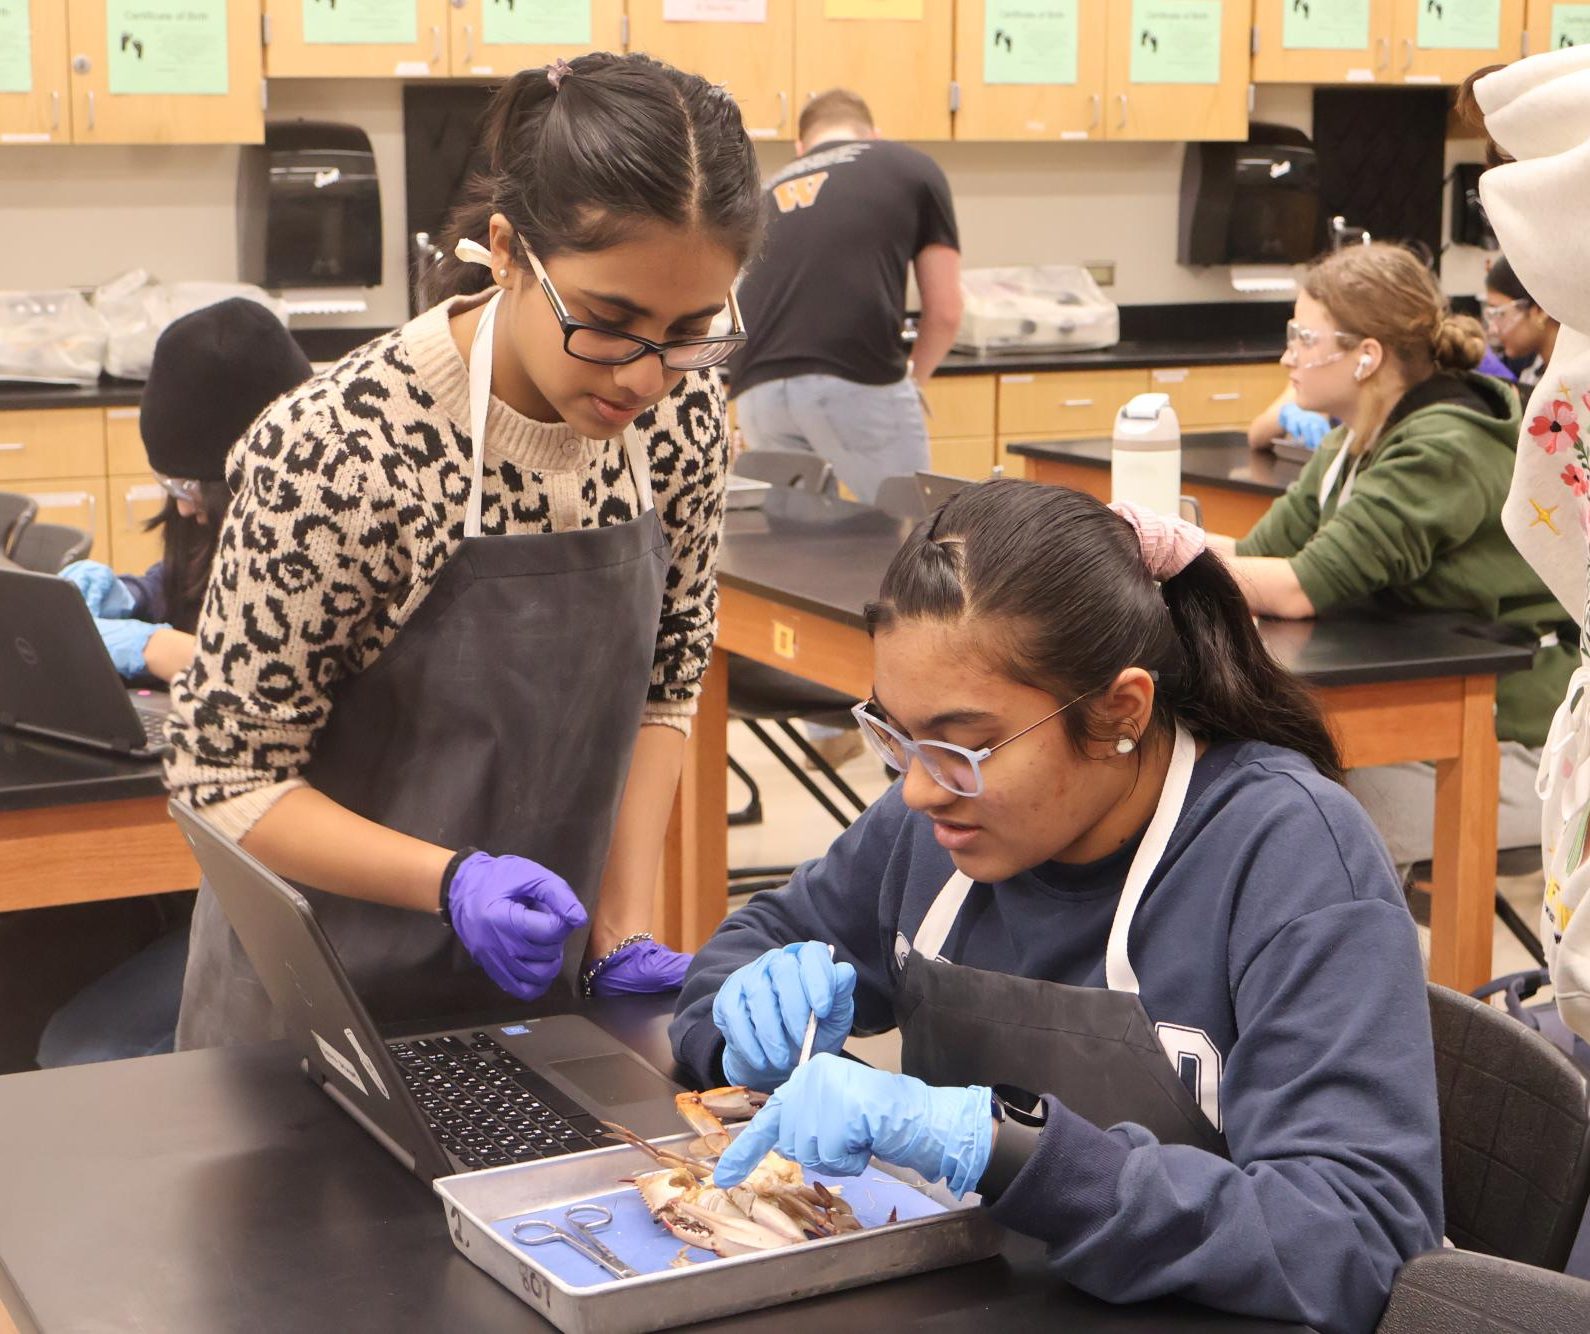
x,y
1145,454
1041,308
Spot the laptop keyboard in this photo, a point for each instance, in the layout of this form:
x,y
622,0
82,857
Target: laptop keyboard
x,y
154,725
487,1107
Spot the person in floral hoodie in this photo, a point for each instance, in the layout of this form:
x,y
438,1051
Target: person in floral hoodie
x,y
1537,113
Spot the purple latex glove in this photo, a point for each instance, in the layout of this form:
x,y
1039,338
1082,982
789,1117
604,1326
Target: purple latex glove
x,y
641,969
513,916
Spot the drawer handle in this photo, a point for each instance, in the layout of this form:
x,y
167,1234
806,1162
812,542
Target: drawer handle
x,y
1225,398
1076,403
145,491
12,446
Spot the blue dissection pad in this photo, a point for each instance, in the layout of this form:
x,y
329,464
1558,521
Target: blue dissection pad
x,y
646,1245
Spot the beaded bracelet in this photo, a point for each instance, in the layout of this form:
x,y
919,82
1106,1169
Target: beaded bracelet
x,y
596,966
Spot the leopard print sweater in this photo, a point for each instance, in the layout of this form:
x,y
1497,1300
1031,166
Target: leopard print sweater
x,y
348,498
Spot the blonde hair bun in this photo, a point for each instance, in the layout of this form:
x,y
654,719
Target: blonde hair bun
x,y
1459,343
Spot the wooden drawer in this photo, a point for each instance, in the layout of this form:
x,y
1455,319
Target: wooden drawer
x,y
124,444
76,501
1219,395
52,442
1050,405
134,498
960,406
972,458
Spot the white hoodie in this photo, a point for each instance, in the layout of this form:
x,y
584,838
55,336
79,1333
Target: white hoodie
x,y
1538,111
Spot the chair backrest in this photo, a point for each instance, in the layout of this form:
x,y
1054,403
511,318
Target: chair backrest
x,y
901,498
1459,1292
49,548
16,513
1515,1134
788,467
1192,510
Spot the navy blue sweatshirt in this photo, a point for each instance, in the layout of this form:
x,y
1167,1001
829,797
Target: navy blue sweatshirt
x,y
1274,924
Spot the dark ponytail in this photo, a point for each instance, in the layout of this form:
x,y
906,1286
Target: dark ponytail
x,y
618,140
1061,583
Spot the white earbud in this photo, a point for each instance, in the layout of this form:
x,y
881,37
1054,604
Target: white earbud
x,y
1125,746
502,273
1364,363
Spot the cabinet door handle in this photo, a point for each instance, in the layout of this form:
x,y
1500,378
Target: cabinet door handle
x,y
1076,403
436,45
1095,110
143,491
12,446
1382,52
469,44
55,110
1225,398
783,108
1122,98
1407,54
91,108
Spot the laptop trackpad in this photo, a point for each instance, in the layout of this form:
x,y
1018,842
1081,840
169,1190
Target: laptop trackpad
x,y
613,1079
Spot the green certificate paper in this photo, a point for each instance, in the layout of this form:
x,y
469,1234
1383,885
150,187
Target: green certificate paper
x,y
1030,42
178,46
536,22
1460,25
1325,25
345,22
1570,26
16,48
1176,41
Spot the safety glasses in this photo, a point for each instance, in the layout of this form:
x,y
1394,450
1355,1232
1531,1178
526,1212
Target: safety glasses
x,y
1302,340
608,347
954,768
182,488
1499,317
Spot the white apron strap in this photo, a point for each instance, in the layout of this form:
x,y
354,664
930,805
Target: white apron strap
x,y
480,350
1118,974
1334,472
935,928
639,467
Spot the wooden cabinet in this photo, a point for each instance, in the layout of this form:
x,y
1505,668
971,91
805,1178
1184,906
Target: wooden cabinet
x,y
1391,50
78,502
755,61
1182,111
1334,53
902,67
1060,405
51,442
1546,29
1069,111
103,112
479,48
378,39
1208,397
133,500
35,108
960,424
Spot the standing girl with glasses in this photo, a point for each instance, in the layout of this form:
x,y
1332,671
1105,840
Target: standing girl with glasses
x,y
1160,998
466,592
1401,505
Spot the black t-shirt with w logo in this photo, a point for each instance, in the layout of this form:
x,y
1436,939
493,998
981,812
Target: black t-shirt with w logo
x,y
827,294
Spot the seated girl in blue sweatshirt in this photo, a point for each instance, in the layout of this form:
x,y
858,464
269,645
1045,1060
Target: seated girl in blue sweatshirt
x,y
1161,1001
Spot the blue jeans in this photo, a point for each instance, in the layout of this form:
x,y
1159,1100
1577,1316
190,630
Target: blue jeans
x,y
866,431
131,1011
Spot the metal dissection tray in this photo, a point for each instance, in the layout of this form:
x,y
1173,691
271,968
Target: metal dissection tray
x,y
935,1230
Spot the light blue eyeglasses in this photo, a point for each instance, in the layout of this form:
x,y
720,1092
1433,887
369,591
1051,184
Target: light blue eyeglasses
x,y
954,768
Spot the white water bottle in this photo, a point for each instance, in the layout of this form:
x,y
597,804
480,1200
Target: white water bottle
x,y
1145,455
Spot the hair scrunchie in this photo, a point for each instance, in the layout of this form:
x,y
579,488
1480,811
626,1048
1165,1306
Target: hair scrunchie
x,y
1169,544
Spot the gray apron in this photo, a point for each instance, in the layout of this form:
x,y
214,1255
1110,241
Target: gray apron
x,y
1094,1048
502,716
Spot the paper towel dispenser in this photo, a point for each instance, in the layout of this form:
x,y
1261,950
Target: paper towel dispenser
x,y
1251,203
309,208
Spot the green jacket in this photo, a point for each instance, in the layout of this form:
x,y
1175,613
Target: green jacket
x,y
1423,529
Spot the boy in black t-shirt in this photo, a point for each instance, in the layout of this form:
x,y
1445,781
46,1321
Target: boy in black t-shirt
x,y
824,368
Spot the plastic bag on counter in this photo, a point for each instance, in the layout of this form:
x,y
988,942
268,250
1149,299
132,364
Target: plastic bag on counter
x,y
1042,308
137,309
51,338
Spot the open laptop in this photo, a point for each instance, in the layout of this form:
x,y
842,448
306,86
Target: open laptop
x,y
56,676
441,1102
937,487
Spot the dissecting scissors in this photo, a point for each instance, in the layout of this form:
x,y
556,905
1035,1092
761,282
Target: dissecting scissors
x,y
584,1222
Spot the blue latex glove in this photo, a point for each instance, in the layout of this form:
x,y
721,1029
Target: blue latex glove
x,y
513,916
762,1009
105,594
1301,424
835,1114
641,969
127,641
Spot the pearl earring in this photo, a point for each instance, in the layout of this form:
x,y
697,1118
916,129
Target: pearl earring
x,y
1125,746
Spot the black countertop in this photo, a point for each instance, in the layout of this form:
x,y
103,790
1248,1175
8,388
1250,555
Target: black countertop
x,y
828,557
1216,458
16,395
219,1190
35,772
1128,354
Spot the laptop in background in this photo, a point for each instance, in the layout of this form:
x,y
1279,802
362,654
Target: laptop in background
x,y
56,676
455,1100
937,487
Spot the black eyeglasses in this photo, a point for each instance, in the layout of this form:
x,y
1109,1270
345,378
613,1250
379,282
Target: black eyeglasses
x,y
607,347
